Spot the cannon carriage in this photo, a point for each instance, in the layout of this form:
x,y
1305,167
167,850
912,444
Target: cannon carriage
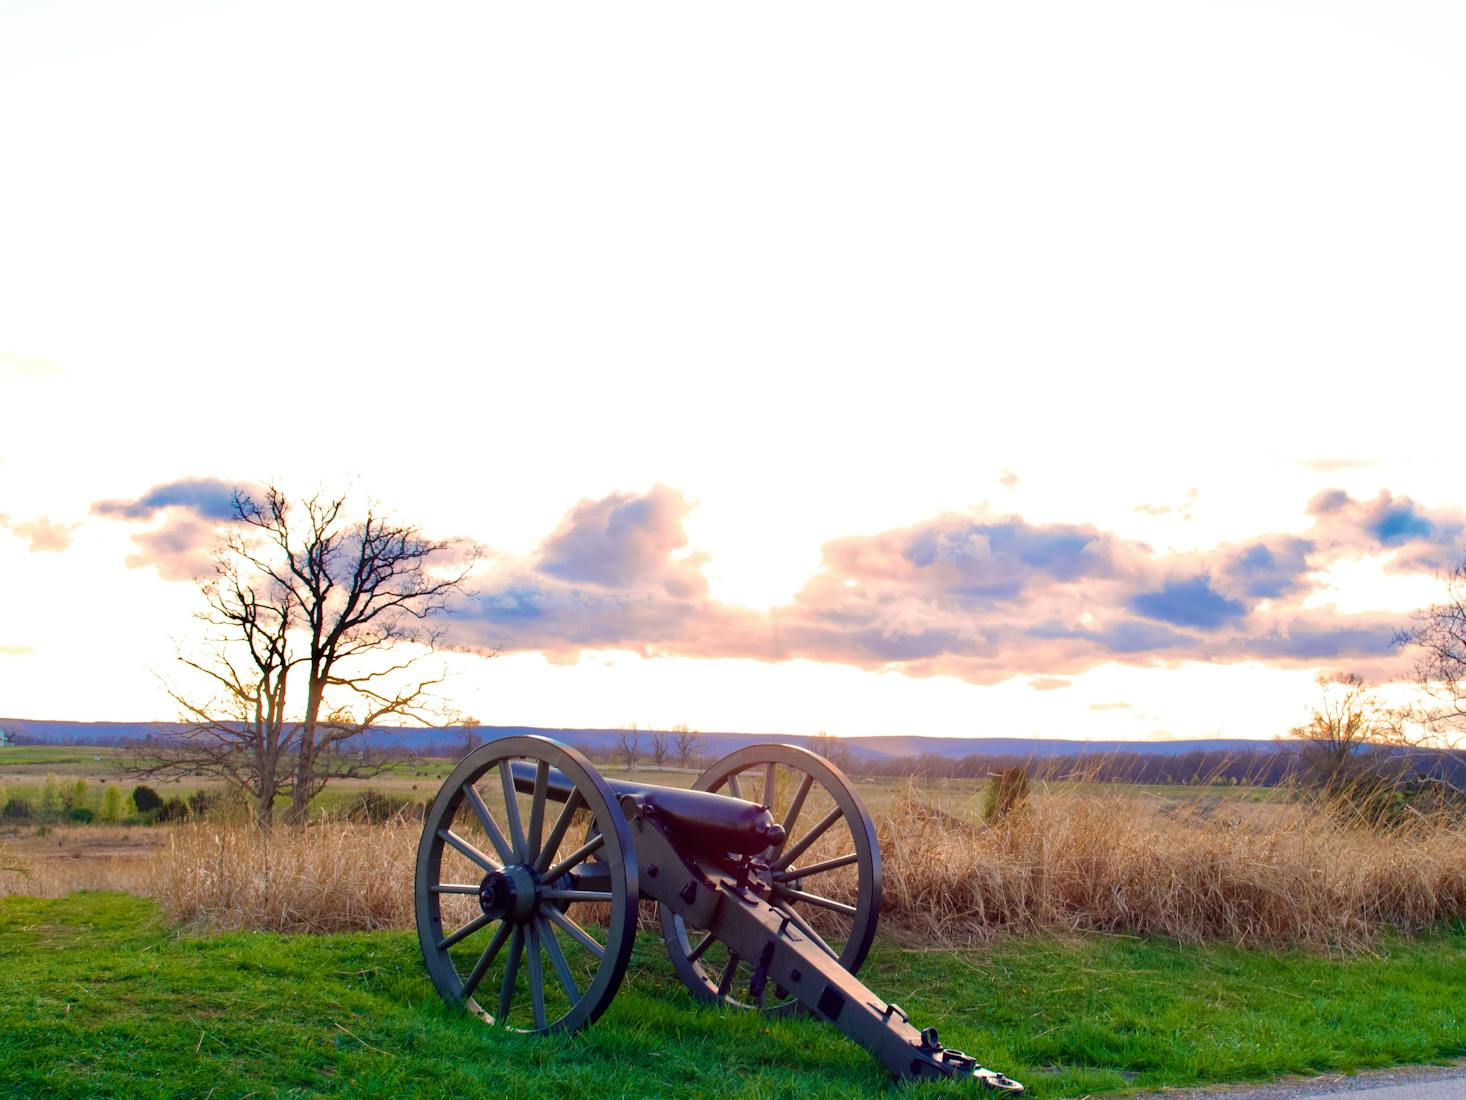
x,y
766,878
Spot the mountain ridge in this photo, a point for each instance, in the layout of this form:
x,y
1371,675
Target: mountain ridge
x,y
876,747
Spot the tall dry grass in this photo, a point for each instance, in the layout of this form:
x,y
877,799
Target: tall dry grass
x,y
1272,874
330,877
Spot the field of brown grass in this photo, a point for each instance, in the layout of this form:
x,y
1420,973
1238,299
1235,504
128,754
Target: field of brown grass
x,y
1279,873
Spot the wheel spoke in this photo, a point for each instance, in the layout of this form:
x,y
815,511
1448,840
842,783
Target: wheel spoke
x,y
557,960
579,934
557,834
511,973
703,944
815,868
454,888
511,810
537,810
536,976
769,785
467,930
448,836
815,899
794,807
575,895
485,960
809,838
589,848
733,786
729,973
496,837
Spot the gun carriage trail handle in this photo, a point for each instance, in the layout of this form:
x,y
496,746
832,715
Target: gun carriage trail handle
x,y
529,856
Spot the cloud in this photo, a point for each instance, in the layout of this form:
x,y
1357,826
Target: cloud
x,y
16,650
1183,509
1333,465
192,510
45,536
977,596
179,550
1268,568
206,497
1189,602
1423,540
625,541
1109,706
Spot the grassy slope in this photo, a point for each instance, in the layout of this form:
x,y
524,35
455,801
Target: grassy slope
x,y
97,998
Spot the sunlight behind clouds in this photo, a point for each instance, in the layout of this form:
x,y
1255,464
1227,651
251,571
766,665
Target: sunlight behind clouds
x,y
827,271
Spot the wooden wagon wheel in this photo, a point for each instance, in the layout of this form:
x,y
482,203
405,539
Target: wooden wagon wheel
x,y
829,838
498,884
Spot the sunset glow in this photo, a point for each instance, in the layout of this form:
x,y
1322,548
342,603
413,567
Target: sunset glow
x,y
819,372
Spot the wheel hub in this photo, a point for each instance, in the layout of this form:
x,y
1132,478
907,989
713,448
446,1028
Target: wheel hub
x,y
509,894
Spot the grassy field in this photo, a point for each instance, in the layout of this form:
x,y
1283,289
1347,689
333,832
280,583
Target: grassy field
x,y
24,768
98,998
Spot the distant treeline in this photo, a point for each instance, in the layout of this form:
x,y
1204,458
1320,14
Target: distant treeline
x,y
1263,768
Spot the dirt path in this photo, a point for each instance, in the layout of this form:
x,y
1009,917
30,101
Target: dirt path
x,y
1403,1083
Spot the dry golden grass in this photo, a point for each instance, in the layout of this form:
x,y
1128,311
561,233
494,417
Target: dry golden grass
x,y
331,877
1278,874
85,858
1282,874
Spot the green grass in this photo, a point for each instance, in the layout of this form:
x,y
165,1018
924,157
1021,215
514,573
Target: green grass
x,y
98,998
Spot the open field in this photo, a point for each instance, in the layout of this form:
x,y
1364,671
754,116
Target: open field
x,y
99,998
24,768
1200,870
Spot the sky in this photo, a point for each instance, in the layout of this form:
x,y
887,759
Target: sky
x,y
1061,370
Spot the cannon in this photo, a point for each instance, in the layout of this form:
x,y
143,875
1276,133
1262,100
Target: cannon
x,y
766,877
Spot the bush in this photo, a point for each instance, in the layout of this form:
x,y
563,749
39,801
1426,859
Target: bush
x,y
77,796
146,799
1006,795
217,805
112,804
18,809
175,809
50,797
80,814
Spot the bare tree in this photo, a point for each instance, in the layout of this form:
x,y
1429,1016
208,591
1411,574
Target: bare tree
x,y
1344,744
321,623
472,739
833,749
661,742
1437,635
685,743
628,740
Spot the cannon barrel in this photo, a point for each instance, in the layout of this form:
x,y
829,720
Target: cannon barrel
x,y
712,822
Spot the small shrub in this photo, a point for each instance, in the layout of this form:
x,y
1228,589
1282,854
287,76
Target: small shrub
x,y
19,809
112,804
175,809
214,804
80,814
50,797
77,796
146,799
1006,795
